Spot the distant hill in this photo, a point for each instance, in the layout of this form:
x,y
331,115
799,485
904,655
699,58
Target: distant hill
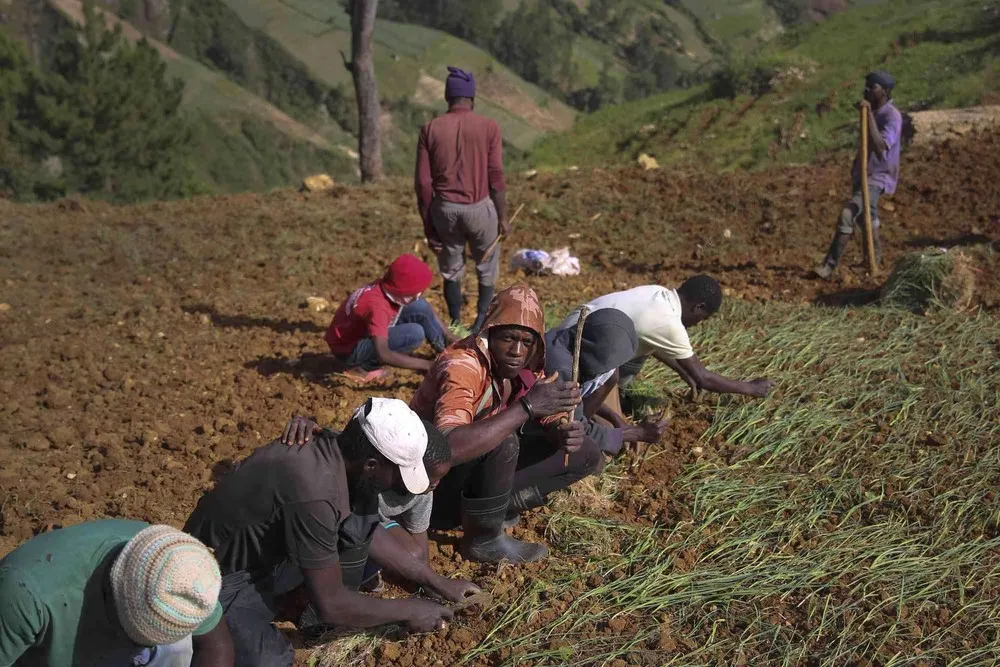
x,y
794,99
267,92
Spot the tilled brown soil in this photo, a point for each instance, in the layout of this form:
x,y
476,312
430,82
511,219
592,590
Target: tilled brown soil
x,y
144,348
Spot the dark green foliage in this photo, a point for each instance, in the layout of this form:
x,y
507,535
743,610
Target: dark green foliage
x,y
789,11
607,91
744,76
102,120
212,33
654,68
472,21
533,43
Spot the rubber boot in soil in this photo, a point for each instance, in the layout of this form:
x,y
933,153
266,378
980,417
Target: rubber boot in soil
x,y
484,539
483,306
522,500
833,255
453,297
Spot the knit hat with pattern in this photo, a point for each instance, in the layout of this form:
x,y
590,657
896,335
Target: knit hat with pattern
x,y
165,584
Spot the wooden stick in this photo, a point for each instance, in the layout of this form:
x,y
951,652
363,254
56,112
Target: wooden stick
x,y
489,251
576,365
865,195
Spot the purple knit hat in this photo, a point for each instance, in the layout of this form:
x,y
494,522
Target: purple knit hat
x,y
459,84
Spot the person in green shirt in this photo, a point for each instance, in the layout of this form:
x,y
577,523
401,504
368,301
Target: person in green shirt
x,y
112,593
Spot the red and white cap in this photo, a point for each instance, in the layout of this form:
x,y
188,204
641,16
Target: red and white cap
x,y
397,432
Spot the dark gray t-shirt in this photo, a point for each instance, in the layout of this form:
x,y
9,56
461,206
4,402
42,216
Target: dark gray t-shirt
x,y
280,504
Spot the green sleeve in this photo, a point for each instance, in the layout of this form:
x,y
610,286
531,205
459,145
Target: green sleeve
x,y
210,622
22,619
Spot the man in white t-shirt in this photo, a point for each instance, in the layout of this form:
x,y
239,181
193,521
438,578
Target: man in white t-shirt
x,y
662,317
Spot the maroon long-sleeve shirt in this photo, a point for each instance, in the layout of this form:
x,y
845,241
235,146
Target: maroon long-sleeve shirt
x,y
459,159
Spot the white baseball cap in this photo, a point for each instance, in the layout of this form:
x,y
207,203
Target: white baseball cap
x,y
398,433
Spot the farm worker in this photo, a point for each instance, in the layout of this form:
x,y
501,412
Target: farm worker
x,y
288,514
609,340
885,127
480,393
382,322
662,317
112,593
404,516
461,192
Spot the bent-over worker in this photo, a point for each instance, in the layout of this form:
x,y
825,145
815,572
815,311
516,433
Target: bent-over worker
x,y
662,317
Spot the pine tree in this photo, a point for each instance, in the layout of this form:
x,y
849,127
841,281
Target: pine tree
x,y
108,112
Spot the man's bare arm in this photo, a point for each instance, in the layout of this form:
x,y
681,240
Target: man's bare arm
x,y
707,380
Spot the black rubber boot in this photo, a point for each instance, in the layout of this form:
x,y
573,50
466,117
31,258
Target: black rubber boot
x,y
483,306
453,297
484,540
522,500
833,255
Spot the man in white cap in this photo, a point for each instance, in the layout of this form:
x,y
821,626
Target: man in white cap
x,y
112,593
313,510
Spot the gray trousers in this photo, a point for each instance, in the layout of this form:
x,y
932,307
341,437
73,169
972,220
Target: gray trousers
x,y
854,208
475,225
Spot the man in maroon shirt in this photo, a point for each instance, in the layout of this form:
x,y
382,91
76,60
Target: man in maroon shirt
x,y
460,192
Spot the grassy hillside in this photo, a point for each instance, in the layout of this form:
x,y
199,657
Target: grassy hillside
x,y
410,63
942,53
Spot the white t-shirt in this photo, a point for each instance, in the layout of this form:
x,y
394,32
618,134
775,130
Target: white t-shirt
x,y
656,313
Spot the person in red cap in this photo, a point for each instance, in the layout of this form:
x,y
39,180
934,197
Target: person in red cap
x,y
381,323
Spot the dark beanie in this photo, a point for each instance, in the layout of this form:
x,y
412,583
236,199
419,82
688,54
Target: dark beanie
x,y
883,79
459,84
407,276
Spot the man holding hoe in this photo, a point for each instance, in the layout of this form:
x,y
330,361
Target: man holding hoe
x,y
885,126
460,193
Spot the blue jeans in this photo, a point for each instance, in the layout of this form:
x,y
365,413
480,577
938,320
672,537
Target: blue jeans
x,y
416,324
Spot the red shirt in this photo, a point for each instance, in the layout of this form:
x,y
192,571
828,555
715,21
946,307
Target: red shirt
x,y
459,159
368,312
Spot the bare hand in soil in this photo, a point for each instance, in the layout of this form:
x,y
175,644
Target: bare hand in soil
x,y
299,431
455,590
427,616
760,387
569,436
647,431
553,398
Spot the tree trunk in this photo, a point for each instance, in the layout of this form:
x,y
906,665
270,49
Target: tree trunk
x,y
365,89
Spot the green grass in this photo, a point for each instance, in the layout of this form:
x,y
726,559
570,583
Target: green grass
x,y
942,53
849,518
846,518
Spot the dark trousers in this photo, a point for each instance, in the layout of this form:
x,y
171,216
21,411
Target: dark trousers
x,y
416,324
248,602
543,465
488,476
